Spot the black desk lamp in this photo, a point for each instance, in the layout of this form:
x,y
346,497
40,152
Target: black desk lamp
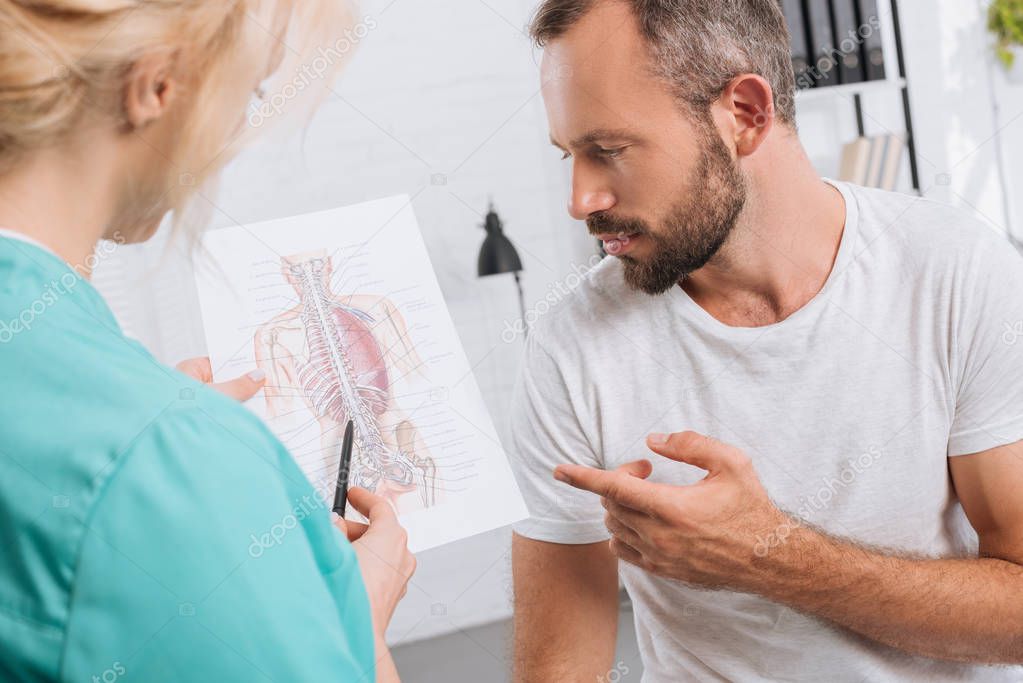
x,y
498,255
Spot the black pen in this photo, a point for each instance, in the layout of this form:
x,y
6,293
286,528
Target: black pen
x,y
341,490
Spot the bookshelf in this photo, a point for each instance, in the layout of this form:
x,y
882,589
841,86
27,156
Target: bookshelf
x,y
849,90
894,83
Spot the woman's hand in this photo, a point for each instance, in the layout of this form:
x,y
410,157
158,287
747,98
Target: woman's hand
x,y
240,389
382,548
386,566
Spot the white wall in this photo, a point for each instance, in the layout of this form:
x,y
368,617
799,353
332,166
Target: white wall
x,y
954,83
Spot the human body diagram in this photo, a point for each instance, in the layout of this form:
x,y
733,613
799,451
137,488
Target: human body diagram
x,y
340,356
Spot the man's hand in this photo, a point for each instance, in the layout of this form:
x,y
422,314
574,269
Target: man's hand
x,y
710,534
706,534
241,389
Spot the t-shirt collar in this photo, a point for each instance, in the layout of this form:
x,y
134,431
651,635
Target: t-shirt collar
x,y
22,237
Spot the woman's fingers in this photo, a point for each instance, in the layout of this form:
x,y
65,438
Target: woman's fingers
x,y
240,389
353,531
375,508
244,387
197,368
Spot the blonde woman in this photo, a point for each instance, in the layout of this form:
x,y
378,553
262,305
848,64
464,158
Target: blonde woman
x,y
150,526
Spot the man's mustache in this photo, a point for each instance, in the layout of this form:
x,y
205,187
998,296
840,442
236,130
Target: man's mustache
x,y
606,224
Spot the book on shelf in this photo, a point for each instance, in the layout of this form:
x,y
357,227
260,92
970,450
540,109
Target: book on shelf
x,y
855,159
848,41
890,163
824,60
873,49
834,41
872,161
793,11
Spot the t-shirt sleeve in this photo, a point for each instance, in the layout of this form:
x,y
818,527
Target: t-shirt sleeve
x,y
207,557
548,428
988,351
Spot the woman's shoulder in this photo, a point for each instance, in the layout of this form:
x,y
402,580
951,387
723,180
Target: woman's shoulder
x,y
131,492
205,516
201,505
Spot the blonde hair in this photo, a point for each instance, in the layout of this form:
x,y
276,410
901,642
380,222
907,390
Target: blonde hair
x,y
66,62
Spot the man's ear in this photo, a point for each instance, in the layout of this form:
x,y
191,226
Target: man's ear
x,y
749,100
150,89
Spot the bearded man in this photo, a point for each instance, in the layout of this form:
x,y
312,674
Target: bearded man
x,y
785,411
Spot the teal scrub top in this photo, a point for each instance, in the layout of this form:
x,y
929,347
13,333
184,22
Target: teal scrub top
x,y
151,528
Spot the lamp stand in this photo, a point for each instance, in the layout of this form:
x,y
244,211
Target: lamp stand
x,y
522,304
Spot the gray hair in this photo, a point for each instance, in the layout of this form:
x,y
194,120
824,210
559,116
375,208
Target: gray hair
x,y
698,46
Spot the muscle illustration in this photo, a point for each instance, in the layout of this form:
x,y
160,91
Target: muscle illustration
x,y
344,376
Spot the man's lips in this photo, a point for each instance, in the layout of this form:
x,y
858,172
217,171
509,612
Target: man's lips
x,y
618,244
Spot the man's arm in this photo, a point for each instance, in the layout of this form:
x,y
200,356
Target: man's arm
x,y
968,609
711,534
566,610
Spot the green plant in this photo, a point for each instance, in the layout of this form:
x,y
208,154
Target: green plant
x,y
1005,20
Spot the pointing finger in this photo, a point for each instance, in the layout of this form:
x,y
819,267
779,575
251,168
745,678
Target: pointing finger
x,y
617,485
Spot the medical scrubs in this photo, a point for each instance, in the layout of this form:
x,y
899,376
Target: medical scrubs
x,y
150,528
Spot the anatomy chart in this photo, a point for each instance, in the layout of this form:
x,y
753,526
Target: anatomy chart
x,y
342,311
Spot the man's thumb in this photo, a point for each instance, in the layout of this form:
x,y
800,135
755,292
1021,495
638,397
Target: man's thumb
x,y
693,448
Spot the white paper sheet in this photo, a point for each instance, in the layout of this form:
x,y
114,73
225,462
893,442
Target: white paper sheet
x,y
342,309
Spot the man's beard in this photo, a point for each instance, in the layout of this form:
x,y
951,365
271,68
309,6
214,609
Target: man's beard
x,y
695,229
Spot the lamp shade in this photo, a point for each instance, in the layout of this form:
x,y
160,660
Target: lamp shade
x,y
498,254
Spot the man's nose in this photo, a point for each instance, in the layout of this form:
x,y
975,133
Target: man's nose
x,y
588,196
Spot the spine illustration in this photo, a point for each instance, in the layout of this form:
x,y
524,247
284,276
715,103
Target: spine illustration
x,y
346,378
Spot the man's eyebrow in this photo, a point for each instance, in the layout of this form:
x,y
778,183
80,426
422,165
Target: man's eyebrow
x,y
599,134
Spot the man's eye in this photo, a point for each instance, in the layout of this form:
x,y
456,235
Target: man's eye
x,y
612,153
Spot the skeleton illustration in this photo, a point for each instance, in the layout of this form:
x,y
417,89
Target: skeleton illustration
x,y
338,354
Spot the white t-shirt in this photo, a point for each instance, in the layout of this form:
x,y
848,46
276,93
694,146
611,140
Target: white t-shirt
x,y
911,353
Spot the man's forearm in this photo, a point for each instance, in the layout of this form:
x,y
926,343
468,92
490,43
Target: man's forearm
x,y
968,609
